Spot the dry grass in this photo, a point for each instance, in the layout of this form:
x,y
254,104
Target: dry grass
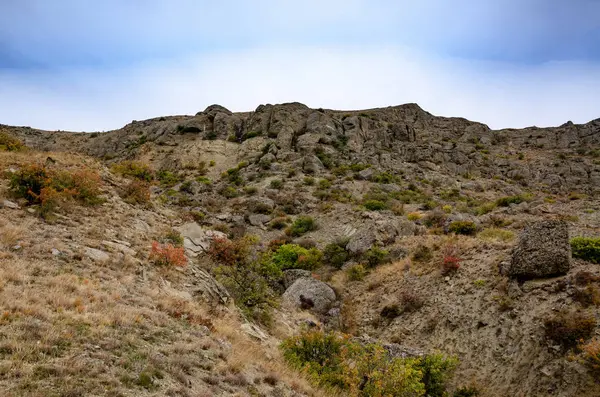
x,y
73,327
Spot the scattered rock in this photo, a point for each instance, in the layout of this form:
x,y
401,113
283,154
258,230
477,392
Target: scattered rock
x,y
96,255
10,204
543,250
258,219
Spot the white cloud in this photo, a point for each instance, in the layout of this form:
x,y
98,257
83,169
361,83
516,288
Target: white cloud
x,y
500,95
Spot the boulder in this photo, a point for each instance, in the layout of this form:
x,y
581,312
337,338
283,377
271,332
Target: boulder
x,y
361,241
258,219
309,293
543,250
290,276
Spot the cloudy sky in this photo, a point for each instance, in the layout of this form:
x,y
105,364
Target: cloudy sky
x,y
96,65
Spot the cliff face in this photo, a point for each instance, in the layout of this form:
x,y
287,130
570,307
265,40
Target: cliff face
x,y
395,138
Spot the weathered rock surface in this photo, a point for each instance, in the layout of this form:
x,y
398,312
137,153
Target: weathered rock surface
x,y
319,295
196,239
543,250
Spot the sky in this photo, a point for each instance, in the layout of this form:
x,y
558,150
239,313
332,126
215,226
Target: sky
x,y
85,65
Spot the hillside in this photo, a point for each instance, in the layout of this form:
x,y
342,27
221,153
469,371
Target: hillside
x,y
406,225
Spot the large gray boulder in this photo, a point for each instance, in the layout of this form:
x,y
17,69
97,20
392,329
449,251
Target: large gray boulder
x,y
309,293
361,241
543,250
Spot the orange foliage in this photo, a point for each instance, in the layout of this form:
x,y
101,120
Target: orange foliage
x,y
167,255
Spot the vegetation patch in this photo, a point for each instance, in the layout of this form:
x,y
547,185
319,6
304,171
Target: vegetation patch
x,y
569,328
51,188
302,225
586,248
293,256
351,368
9,143
134,169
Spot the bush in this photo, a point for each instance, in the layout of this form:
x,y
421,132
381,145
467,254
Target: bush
x,y
375,256
134,169
436,370
385,178
167,255
467,228
292,256
414,216
276,184
497,234
355,369
375,205
166,178
136,192
335,254
591,354
411,300
51,188
302,225
422,253
174,237
586,248
507,201
356,273
9,143
568,328
390,312
29,181
247,277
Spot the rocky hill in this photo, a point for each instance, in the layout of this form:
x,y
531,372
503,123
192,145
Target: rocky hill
x,y
424,233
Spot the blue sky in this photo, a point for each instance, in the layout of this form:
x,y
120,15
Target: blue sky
x,y
90,65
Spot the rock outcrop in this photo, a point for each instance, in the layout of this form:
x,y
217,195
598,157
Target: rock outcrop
x,y
543,251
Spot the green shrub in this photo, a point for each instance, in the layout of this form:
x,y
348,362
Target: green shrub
x,y
229,192
436,370
375,256
568,328
276,184
385,178
134,169
302,225
375,205
9,143
493,233
335,254
247,278
350,368
173,237
486,208
467,228
293,256
167,178
278,223
586,248
422,253
309,181
506,201
356,272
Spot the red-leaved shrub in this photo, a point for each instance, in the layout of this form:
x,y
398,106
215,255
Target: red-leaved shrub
x,y
167,255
